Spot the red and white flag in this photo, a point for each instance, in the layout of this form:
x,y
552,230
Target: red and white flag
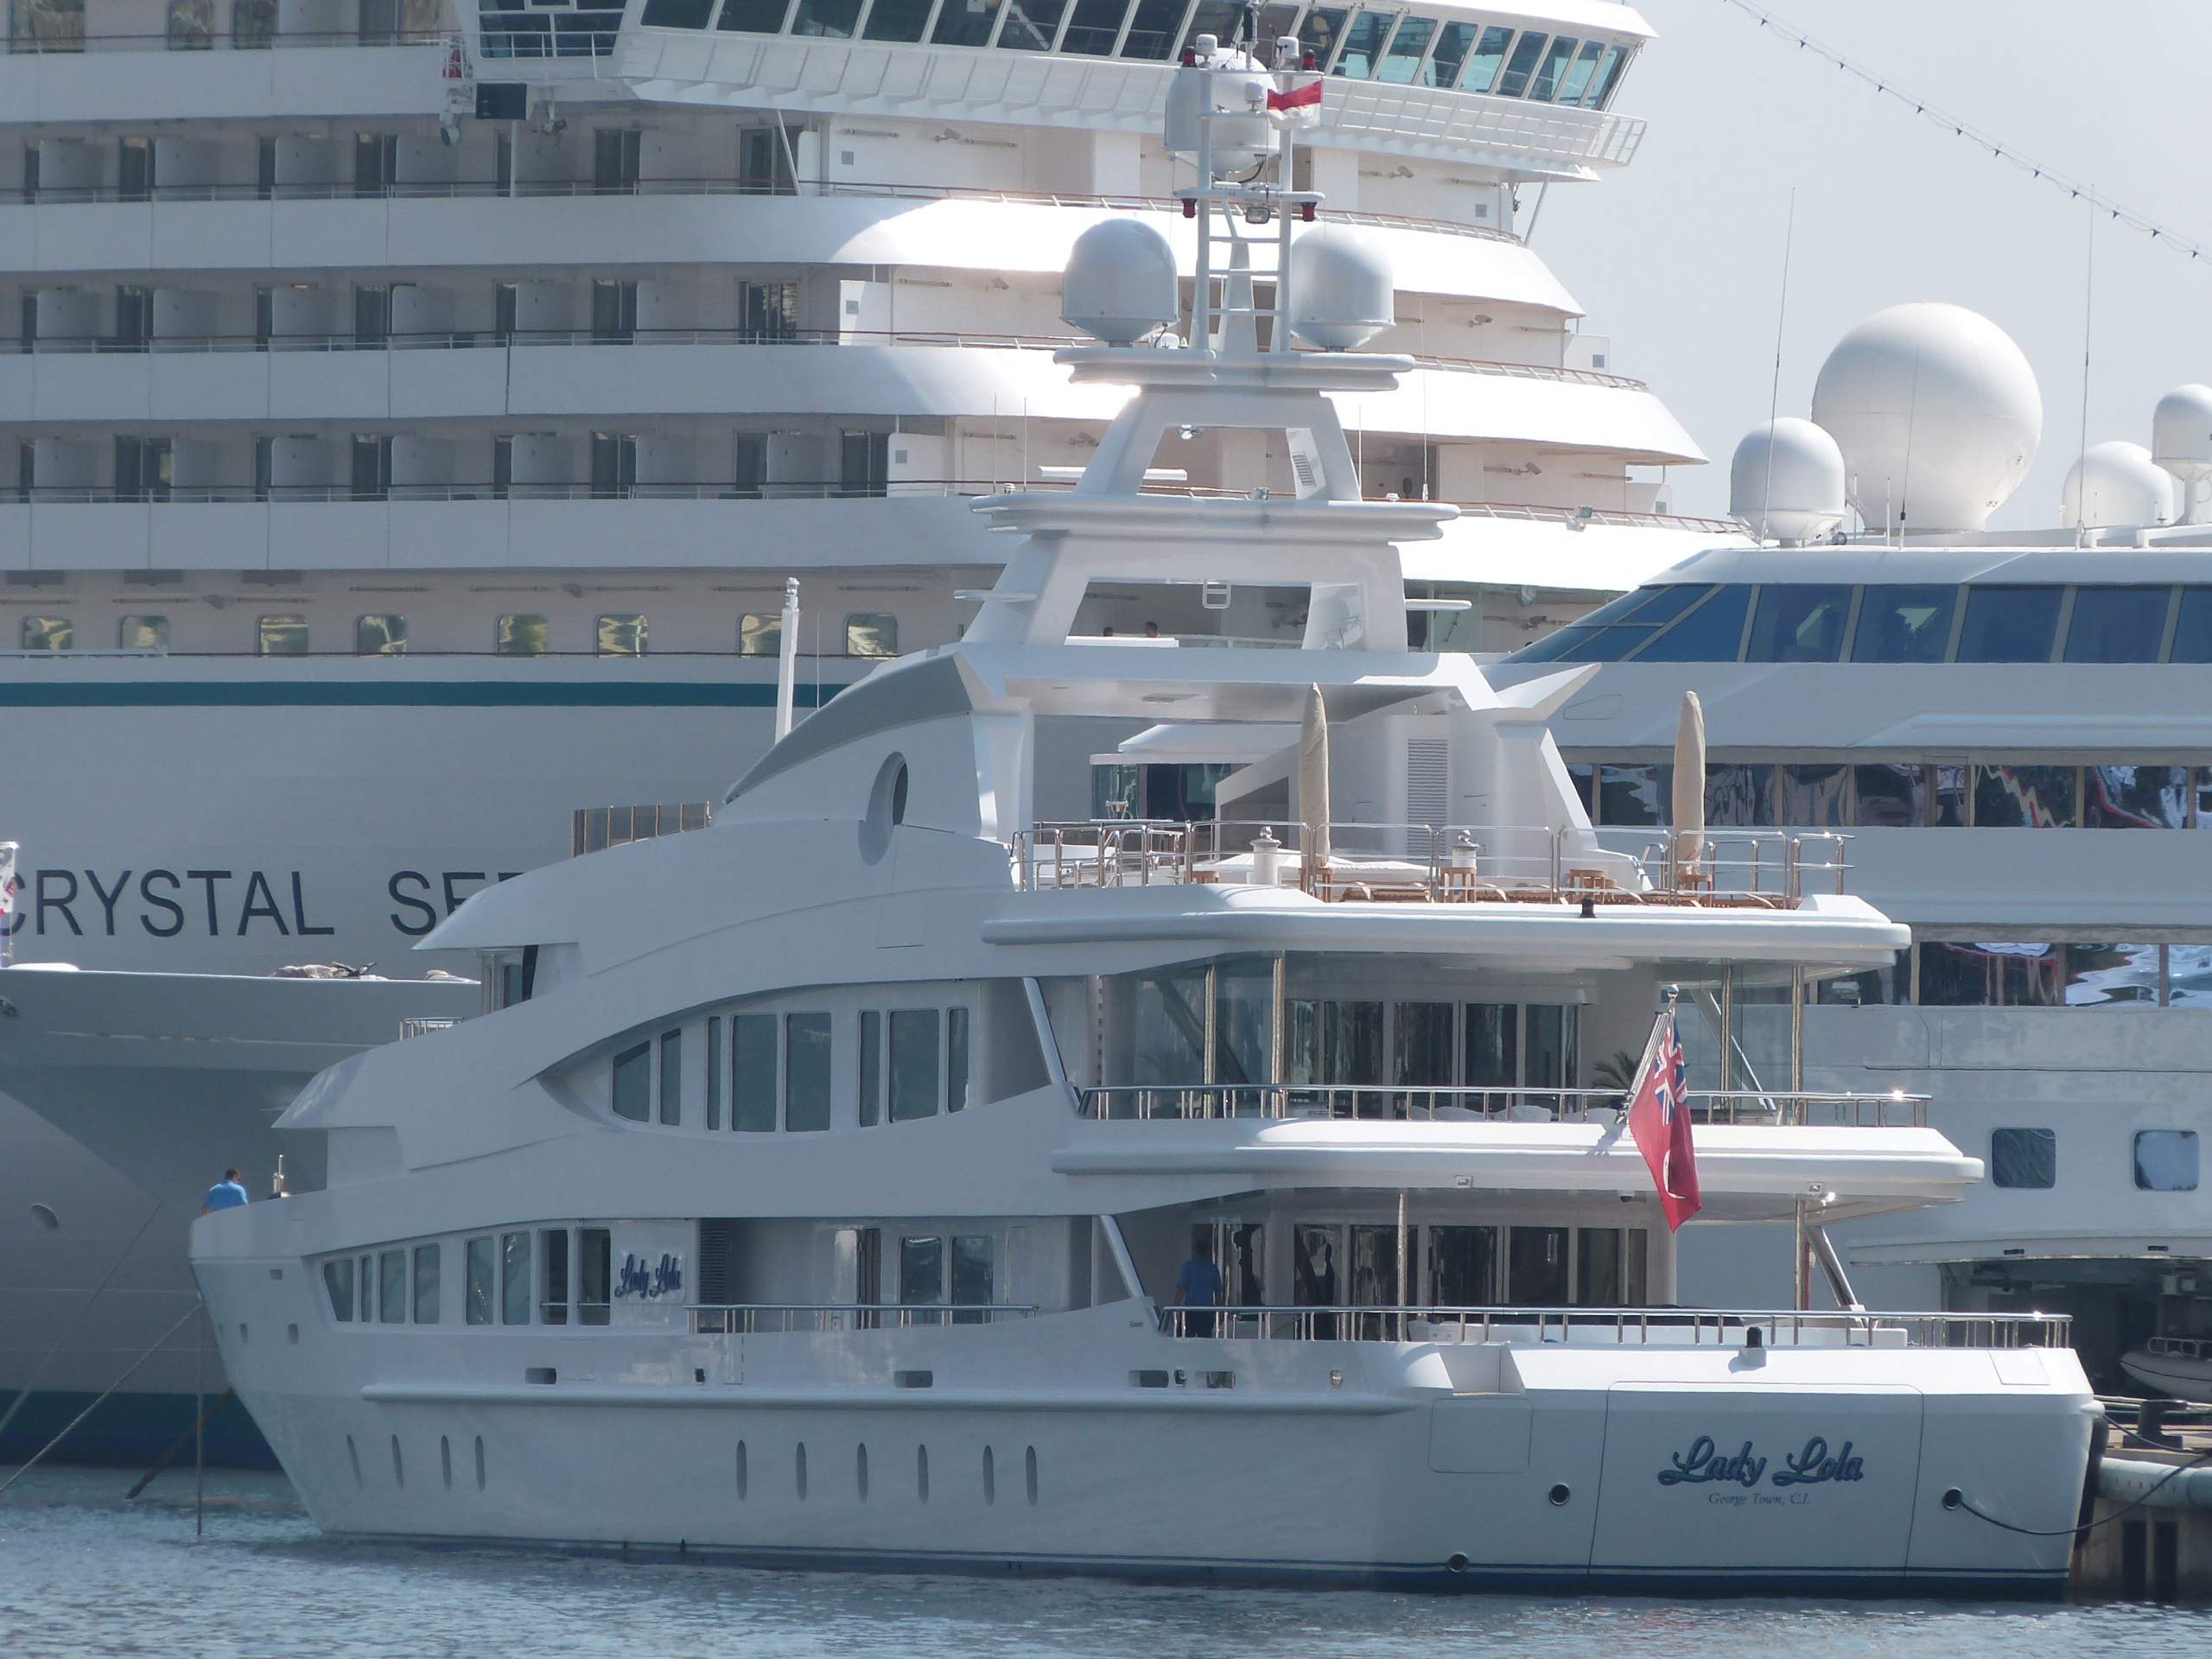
x,y
1659,1118
1297,101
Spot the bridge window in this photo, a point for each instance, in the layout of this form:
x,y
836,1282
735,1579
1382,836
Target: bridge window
x,y
1444,64
752,1073
965,23
2009,625
429,1277
1152,29
2193,627
1712,633
1904,624
2117,625
1799,622
1488,59
337,1281
828,19
515,1285
1320,30
1096,25
1575,84
1364,44
1522,65
480,1276
806,1072
1546,86
392,1288
753,16
1030,27
677,14
1409,48
916,1074
899,21
633,1083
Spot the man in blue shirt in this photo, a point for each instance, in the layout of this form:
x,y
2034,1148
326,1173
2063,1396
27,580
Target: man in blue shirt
x,y
1198,1284
227,1194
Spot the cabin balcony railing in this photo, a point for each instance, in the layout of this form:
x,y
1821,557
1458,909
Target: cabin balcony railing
x,y
1425,863
1761,1108
760,1318
1624,1326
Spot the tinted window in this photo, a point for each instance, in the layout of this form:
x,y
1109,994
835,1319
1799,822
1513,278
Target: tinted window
x,y
1488,59
1737,797
2024,1158
1991,975
1890,797
2009,625
337,1280
633,1083
753,1073
956,1059
964,23
1443,65
1364,44
392,1288
2193,632
1152,31
514,1278
914,1064
1712,633
2165,1160
753,16
1799,623
1516,79
1904,625
806,1072
1635,796
2111,975
2024,797
898,20
1553,645
481,1278
1555,61
1091,32
1812,796
1408,48
2135,797
2116,624
428,1279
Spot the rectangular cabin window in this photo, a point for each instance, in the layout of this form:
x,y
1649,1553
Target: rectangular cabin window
x,y
1420,1047
553,1245
914,1072
338,1280
672,1077
956,1059
392,1288
714,1074
594,1274
1598,1260
428,1280
1493,1044
871,1067
806,1072
1462,1267
633,1083
752,1073
514,1278
972,1277
480,1276
2024,1158
1537,1266
921,1275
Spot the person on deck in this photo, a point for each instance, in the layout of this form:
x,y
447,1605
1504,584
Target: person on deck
x,y
1198,1284
227,1194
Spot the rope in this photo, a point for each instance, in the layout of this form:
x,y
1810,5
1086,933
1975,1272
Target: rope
x,y
16,1405
1996,147
2060,1532
95,1406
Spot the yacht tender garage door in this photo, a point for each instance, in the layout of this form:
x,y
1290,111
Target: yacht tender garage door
x,y
1812,1478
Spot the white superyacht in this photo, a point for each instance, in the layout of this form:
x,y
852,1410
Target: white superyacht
x,y
413,413
819,1198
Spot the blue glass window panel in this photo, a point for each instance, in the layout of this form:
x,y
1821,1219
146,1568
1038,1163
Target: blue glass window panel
x,y
677,14
1152,30
1030,25
1095,28
1318,31
1713,632
2009,625
753,16
1909,624
1545,87
1606,644
2193,629
1445,63
827,19
1490,58
901,21
2117,625
1521,65
1551,645
1409,47
2024,1158
1222,19
1601,91
2165,1160
1576,83
1656,604
1799,622
1363,45
962,23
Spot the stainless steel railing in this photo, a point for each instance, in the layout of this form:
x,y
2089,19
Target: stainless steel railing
x,y
758,1319
1433,863
1640,1327
1203,1101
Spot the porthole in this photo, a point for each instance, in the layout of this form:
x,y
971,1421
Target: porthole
x,y
354,1456
990,1478
480,1463
1029,1473
1559,1496
860,1472
887,806
445,1460
922,1474
398,1469
741,1471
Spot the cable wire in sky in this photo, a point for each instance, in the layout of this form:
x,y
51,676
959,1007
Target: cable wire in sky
x,y
1996,147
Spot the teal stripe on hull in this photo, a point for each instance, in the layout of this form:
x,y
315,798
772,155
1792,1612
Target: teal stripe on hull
x,y
446,694
131,1430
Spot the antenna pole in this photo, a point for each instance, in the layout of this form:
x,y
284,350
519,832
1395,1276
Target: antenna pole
x,y
1774,391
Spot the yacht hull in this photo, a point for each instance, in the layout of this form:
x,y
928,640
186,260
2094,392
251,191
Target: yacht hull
x,y
1038,1446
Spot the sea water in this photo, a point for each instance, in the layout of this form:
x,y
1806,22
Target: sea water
x,y
83,1572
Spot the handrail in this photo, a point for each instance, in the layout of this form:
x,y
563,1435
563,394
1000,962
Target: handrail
x,y
1763,1108
1430,863
1645,1326
756,1318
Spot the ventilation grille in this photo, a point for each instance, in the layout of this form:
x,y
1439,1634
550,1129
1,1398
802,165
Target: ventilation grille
x,y
1428,780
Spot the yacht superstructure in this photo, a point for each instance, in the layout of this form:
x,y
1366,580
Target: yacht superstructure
x,y
819,1198
412,415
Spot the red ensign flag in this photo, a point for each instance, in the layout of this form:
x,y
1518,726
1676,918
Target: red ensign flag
x,y
1297,98
1659,1118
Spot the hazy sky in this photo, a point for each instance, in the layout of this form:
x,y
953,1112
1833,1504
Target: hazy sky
x,y
1678,258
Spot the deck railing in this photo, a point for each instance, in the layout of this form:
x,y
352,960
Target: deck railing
x,y
1761,1108
758,1319
1638,1326
1433,863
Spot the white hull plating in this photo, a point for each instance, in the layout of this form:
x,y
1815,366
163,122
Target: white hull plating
x,y
1442,1465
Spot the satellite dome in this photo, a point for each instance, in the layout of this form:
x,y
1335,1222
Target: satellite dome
x,y
1786,481
2180,432
1120,282
1343,292
2116,484
1936,413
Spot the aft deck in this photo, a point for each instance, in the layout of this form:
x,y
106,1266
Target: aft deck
x,y
1748,1329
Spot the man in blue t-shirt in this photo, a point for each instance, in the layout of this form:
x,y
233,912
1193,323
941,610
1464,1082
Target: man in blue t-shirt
x,y
1198,1284
227,1194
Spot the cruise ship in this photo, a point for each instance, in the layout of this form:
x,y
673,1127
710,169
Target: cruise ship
x,y
415,415
890,1175
1982,713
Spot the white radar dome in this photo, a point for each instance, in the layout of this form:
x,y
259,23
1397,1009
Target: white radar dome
x,y
1936,413
1786,482
1120,282
2113,485
2180,432
1343,292
1243,138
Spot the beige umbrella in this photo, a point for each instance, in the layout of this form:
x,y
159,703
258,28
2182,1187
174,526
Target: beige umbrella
x,y
1689,789
1313,782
